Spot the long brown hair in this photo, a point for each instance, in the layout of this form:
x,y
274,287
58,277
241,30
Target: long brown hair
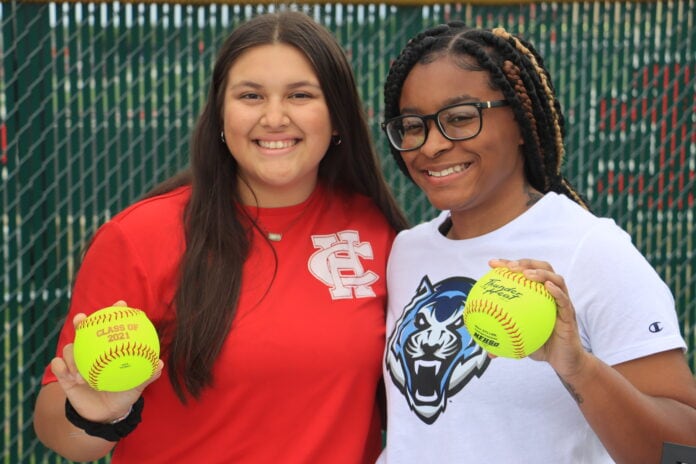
x,y
217,243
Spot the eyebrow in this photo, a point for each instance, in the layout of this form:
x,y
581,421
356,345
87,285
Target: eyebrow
x,y
465,98
256,85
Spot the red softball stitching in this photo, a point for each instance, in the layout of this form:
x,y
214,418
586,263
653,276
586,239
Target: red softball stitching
x,y
115,352
108,316
519,278
495,311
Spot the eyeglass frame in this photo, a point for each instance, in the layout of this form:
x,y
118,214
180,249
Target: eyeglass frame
x,y
480,106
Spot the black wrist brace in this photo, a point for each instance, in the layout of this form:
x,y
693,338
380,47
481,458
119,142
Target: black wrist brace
x,y
111,432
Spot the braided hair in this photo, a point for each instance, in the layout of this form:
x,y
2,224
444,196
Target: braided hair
x,y
517,70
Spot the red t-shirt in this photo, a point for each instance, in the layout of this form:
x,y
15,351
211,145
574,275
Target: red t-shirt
x,y
297,376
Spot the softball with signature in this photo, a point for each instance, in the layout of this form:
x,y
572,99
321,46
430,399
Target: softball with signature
x,y
509,315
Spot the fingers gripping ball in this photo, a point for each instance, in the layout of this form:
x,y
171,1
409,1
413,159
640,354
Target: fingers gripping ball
x,y
116,348
509,315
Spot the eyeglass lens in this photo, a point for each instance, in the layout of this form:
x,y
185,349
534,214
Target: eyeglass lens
x,y
456,123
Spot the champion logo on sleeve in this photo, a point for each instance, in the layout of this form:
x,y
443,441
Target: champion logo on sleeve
x,y
656,327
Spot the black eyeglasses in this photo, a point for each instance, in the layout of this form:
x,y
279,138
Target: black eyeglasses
x,y
462,121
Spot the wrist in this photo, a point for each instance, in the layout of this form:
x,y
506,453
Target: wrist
x,y
583,369
112,431
121,417
577,380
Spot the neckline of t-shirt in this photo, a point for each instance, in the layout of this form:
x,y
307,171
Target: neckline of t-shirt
x,y
280,211
445,216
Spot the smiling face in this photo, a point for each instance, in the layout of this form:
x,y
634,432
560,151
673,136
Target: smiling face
x,y
277,124
480,180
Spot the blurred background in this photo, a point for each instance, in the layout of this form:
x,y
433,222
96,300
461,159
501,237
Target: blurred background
x,y
98,100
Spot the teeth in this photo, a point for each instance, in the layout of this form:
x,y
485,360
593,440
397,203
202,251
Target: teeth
x,y
426,398
276,144
448,171
425,363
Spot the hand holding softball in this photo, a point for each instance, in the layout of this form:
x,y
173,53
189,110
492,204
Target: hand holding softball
x,y
509,315
563,350
93,404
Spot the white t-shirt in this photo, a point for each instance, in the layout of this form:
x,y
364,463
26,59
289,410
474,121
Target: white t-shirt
x,y
447,401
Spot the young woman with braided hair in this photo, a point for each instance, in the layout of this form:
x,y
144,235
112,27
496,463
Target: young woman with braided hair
x,y
473,119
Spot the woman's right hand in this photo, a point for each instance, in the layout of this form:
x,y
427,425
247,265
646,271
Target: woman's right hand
x,y
94,405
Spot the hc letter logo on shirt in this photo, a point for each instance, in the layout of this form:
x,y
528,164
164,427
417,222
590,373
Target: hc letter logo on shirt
x,y
338,265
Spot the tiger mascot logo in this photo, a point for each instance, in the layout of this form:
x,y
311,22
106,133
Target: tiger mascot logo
x,y
430,354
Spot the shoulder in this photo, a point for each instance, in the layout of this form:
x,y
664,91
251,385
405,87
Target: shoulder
x,y
349,200
560,208
567,220
152,223
358,213
357,207
426,230
156,212
572,238
422,244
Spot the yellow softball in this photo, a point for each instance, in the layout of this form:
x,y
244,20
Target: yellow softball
x,y
509,315
116,348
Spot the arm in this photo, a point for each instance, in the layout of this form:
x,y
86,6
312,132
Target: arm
x,y
633,407
50,423
54,430
636,406
112,267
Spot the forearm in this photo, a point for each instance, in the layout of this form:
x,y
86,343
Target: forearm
x,y
58,434
631,424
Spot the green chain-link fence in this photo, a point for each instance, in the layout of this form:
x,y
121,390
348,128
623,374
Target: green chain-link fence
x,y
97,101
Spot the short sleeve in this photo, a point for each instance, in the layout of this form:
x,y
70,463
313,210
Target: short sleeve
x,y
625,310
110,271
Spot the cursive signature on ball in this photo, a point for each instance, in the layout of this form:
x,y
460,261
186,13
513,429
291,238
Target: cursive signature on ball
x,y
494,287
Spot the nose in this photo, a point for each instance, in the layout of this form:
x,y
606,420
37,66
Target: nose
x,y
435,143
275,114
430,347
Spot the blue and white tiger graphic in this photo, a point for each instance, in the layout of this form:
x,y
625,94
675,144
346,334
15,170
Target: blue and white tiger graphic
x,y
430,354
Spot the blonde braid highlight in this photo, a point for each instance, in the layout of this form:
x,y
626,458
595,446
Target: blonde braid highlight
x,y
501,32
512,72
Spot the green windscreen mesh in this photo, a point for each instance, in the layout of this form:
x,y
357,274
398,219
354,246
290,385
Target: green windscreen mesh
x,y
98,100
